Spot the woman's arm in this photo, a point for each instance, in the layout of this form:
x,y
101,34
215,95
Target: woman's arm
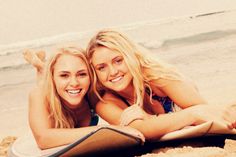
x,y
153,127
41,125
182,92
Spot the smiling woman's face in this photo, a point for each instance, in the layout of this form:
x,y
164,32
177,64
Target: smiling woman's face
x,y
71,79
111,69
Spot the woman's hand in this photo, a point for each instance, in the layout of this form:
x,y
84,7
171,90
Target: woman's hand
x,y
223,114
229,114
132,113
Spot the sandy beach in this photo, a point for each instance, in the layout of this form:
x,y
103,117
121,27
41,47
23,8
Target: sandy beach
x,y
200,43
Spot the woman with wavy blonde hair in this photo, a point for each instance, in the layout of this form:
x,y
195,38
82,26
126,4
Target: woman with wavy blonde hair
x,y
60,107
134,86
144,66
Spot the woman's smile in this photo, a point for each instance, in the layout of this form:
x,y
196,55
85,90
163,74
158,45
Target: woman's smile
x,y
74,92
117,79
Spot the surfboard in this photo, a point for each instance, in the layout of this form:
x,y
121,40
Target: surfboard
x,y
98,142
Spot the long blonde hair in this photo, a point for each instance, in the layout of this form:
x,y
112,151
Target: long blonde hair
x,y
143,65
59,113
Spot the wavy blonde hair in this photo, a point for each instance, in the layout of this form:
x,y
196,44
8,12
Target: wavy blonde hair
x,y
60,114
143,65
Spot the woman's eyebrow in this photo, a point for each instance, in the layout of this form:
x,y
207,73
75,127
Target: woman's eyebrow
x,y
99,64
117,57
82,70
64,71
67,72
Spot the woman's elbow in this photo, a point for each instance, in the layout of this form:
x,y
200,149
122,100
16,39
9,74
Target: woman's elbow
x,y
151,135
42,141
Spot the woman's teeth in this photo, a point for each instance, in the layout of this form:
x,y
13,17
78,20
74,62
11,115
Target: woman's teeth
x,y
74,91
117,79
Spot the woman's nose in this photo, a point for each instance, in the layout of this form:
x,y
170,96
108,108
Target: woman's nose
x,y
74,81
113,71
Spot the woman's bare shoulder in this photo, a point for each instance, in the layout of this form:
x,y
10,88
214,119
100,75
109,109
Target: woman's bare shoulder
x,y
112,99
109,96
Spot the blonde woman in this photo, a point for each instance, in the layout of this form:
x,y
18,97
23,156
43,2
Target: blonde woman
x,y
60,106
137,89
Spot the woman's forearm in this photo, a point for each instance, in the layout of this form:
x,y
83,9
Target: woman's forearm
x,y
156,126
57,137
